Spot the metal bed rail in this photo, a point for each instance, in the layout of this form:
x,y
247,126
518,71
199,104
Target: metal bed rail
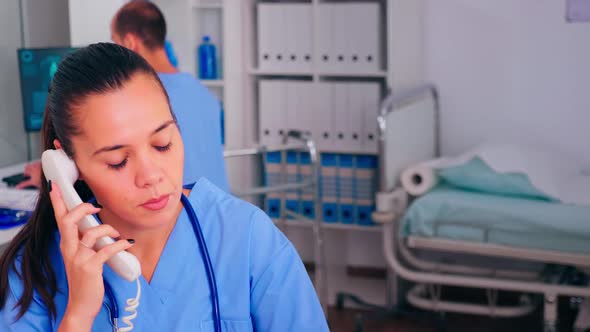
x,y
295,141
390,104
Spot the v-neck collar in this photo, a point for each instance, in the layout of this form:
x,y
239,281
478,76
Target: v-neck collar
x,y
163,279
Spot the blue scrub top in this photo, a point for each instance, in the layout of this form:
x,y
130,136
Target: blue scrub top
x,y
262,283
198,113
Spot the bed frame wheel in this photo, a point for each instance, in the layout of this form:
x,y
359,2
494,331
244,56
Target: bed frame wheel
x,y
550,315
339,301
359,322
441,321
549,328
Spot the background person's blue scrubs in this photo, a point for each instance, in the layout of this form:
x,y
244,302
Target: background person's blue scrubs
x,y
198,113
262,283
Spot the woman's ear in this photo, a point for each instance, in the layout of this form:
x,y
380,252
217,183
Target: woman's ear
x,y
57,145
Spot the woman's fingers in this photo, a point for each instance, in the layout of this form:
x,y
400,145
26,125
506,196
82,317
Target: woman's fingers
x,y
67,222
59,206
25,183
68,233
90,237
109,251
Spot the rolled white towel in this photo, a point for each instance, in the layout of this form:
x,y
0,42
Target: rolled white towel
x,y
418,180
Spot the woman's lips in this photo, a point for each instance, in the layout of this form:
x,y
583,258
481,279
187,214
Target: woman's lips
x,y
156,204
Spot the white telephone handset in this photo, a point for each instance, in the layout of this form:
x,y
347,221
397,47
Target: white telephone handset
x,y
60,169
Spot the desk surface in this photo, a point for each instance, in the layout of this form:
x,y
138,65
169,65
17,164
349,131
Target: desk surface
x,y
7,234
11,170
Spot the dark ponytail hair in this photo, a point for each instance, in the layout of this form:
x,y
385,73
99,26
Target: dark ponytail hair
x,y
97,69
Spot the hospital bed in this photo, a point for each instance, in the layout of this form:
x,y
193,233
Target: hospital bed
x,y
453,222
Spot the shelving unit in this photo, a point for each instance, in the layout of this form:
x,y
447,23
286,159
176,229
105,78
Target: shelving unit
x,y
232,25
347,244
213,83
302,55
204,4
194,19
340,227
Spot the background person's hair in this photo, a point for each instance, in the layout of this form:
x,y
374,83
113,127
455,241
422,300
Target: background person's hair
x,y
94,70
143,19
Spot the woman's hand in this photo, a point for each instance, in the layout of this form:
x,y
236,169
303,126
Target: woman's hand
x,y
83,265
33,172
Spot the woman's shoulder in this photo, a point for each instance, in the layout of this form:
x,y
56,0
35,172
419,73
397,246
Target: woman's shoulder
x,y
210,201
242,225
206,196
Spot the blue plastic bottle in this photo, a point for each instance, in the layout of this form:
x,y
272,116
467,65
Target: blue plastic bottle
x,y
170,53
207,60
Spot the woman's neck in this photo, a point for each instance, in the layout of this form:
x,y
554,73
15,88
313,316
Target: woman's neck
x,y
148,248
149,243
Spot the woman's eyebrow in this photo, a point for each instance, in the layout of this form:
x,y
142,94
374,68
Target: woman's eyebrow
x,y
163,126
119,146
107,149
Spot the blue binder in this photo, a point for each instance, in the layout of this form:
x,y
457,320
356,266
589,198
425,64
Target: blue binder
x,y
305,174
329,187
272,176
366,185
346,189
292,197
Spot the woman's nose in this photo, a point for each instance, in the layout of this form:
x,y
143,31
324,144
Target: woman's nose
x,y
148,173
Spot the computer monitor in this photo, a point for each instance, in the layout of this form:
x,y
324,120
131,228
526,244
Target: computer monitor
x,y
37,67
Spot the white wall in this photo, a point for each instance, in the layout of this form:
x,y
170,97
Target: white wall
x,y
46,23
405,45
90,20
509,70
24,23
13,146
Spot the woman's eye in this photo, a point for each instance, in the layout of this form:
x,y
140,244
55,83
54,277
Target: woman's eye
x,y
163,148
119,165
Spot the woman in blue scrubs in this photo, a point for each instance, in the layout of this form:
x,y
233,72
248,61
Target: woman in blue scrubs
x,y
109,112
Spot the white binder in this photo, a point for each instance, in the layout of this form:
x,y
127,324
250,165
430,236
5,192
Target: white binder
x,y
271,36
289,54
306,109
265,102
341,26
324,54
273,111
265,58
322,124
341,117
353,34
280,117
355,120
292,90
367,36
371,98
278,39
299,37
305,39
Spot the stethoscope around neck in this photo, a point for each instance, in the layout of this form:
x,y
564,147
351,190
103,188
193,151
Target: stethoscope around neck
x,y
113,307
